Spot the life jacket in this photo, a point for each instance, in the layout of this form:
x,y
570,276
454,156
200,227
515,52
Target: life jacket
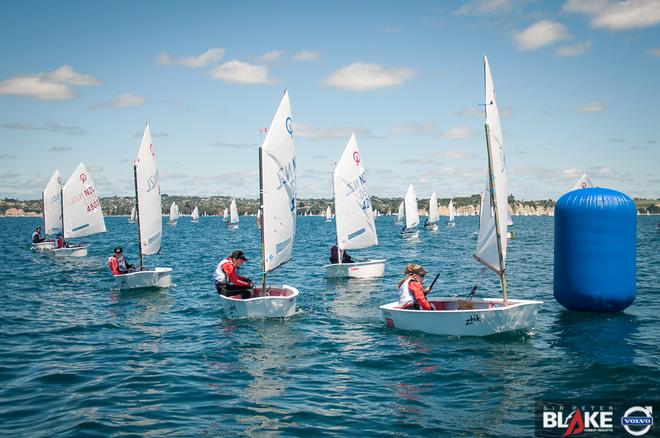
x,y
220,275
36,237
121,263
405,296
59,243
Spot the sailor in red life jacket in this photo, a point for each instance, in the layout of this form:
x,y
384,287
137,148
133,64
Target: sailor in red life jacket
x,y
60,242
117,263
227,280
411,290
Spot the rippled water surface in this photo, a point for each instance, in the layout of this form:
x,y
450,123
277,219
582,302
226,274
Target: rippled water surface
x,y
80,358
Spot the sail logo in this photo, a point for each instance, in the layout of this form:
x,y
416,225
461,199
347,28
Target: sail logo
x,y
83,177
287,177
356,158
152,182
289,126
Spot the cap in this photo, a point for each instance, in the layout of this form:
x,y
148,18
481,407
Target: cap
x,y
238,255
118,249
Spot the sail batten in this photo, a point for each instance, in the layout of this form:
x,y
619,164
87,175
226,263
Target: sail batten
x,y
354,216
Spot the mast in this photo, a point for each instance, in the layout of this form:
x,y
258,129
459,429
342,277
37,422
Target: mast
x,y
493,202
263,218
43,214
137,218
62,213
340,256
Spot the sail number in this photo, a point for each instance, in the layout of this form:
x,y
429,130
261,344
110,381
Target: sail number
x,y
152,182
94,205
358,188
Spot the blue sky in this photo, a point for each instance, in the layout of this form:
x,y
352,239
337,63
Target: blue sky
x,y
578,84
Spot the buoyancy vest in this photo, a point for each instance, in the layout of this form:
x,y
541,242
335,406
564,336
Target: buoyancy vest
x,y
220,275
405,296
121,263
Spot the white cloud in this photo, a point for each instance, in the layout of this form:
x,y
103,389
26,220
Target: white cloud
x,y
455,155
459,133
574,50
617,15
60,148
55,85
361,76
206,58
484,7
50,126
272,56
413,129
128,99
654,51
241,73
306,55
338,132
540,34
592,107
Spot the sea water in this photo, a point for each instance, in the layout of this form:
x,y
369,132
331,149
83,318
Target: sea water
x,y
80,358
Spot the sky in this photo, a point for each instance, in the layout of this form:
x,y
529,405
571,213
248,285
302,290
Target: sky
x,y
577,83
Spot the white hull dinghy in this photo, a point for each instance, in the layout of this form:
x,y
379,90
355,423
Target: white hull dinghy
x,y
71,251
234,220
194,216
149,278
411,214
277,303
81,212
431,223
354,216
51,198
46,245
487,317
132,217
277,190
149,220
174,214
452,213
368,269
399,215
477,316
328,214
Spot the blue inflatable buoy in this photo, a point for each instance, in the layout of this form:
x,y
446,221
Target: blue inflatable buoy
x,y
595,250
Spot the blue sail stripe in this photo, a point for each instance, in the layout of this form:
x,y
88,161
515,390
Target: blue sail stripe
x,y
357,233
79,228
282,246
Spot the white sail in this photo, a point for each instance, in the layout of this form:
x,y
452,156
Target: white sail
x,y
487,251
400,213
148,197
82,215
328,213
52,198
133,216
452,210
195,214
433,208
225,214
582,183
233,212
353,214
174,212
410,208
278,173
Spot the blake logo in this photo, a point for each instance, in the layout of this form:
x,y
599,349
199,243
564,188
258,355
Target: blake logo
x,y
638,425
580,419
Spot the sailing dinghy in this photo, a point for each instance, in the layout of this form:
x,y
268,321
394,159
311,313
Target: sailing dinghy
x,y
194,216
354,218
277,181
149,220
452,213
133,216
400,214
454,316
411,215
174,214
52,212
432,221
225,215
233,216
81,212
328,214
